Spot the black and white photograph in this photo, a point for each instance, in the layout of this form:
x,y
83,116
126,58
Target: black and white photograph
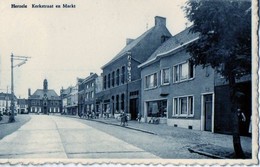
x,y
129,82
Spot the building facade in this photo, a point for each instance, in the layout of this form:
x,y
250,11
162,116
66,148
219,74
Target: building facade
x,y
223,113
69,98
86,94
121,76
174,90
22,106
183,95
5,103
44,101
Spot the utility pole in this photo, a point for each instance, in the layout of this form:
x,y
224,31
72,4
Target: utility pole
x,y
23,59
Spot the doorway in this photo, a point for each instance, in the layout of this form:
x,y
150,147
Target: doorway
x,y
208,112
134,108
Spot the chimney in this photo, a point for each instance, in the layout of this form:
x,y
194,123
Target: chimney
x,y
129,40
29,92
159,21
91,73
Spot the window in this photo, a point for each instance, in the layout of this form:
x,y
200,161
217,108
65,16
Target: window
x,y
165,76
113,78
122,101
182,72
151,81
108,81
157,108
117,102
117,77
183,106
92,94
105,81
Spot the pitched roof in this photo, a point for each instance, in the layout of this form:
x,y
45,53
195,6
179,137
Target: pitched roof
x,y
175,43
88,78
4,95
39,94
130,46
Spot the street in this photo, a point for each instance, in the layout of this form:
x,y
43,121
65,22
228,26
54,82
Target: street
x,y
47,136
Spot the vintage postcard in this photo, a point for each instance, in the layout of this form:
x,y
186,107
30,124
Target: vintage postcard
x,y
129,82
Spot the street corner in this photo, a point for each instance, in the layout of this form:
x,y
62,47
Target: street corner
x,y
215,151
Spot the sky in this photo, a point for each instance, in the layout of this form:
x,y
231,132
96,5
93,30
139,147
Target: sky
x,y
68,43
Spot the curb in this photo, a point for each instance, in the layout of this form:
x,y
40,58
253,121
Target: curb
x,y
205,153
128,127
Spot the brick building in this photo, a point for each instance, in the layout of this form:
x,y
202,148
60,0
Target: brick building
x,y
44,100
122,77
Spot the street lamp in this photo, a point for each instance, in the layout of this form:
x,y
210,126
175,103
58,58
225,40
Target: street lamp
x,y
23,59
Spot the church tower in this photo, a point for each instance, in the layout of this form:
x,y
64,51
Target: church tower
x,y
45,85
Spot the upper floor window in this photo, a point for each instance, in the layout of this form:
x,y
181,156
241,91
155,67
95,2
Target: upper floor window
x,y
105,81
123,75
151,81
113,78
183,71
183,106
165,76
108,81
117,77
92,94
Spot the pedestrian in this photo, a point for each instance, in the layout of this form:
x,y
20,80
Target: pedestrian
x,y
139,116
122,122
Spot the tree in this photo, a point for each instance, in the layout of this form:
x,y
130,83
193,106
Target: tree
x,y
224,43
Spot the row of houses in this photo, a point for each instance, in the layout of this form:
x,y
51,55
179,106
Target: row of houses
x,y
20,104
152,76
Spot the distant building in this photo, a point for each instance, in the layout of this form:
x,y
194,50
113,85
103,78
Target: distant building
x,y
22,106
69,99
122,77
86,94
5,103
44,100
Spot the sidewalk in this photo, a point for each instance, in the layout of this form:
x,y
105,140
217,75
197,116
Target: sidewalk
x,y
7,128
210,144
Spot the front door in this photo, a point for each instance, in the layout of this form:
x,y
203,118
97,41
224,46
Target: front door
x,y
45,110
133,108
208,112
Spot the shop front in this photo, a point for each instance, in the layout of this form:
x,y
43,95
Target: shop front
x,y
156,111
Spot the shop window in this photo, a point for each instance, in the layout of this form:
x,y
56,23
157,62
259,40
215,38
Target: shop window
x,y
151,81
165,76
157,108
183,106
